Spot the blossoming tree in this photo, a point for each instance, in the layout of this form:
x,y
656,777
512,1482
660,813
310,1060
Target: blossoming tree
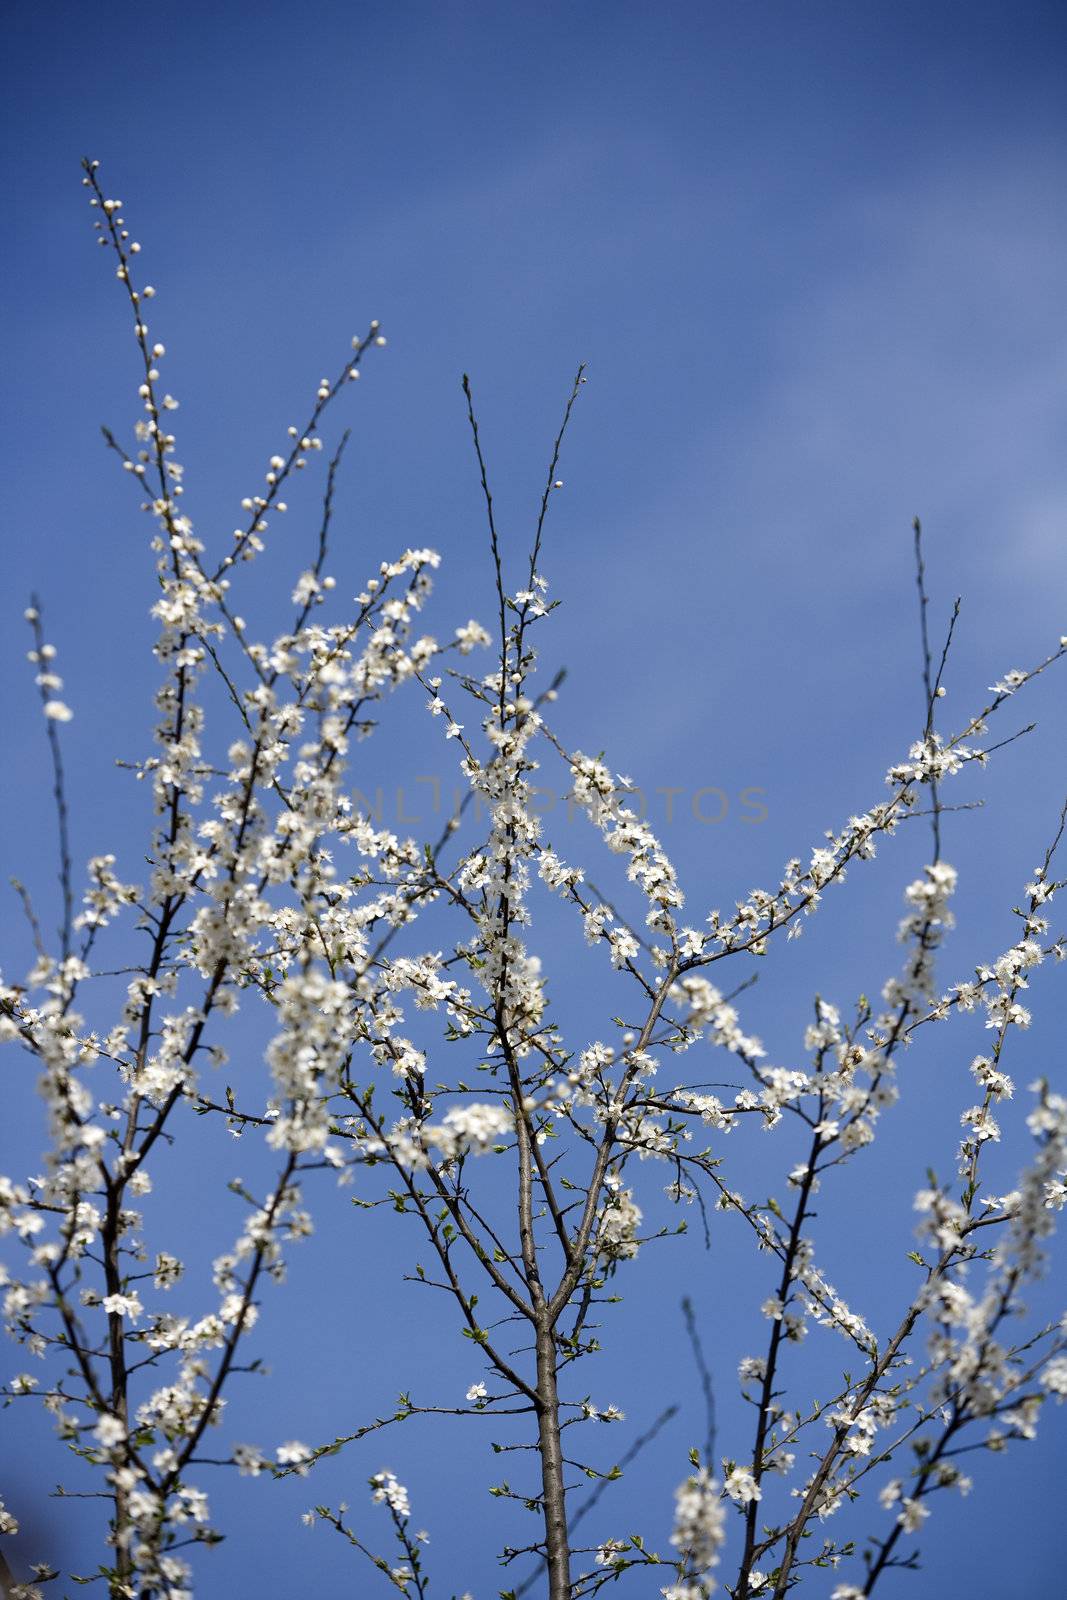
x,y
394,971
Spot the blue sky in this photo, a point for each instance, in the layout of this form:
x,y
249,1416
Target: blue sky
x,y
813,256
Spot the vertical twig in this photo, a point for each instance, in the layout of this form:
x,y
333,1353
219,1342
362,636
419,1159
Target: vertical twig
x,y
705,1379
59,789
931,683
550,482
494,542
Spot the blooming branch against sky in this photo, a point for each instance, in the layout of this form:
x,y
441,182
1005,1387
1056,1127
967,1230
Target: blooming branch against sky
x,y
813,260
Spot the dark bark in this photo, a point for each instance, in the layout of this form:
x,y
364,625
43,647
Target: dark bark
x,y
557,1542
